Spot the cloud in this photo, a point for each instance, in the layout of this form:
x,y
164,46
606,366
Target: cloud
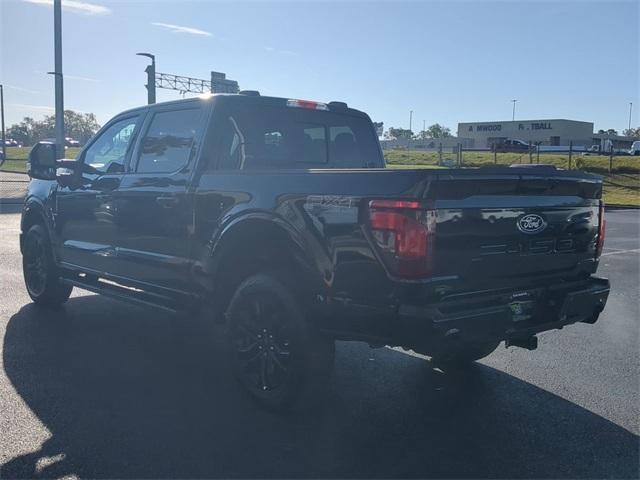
x,y
277,50
35,109
71,77
32,108
82,79
76,6
20,89
181,29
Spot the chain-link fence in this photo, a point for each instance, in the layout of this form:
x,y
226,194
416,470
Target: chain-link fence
x,y
457,156
13,187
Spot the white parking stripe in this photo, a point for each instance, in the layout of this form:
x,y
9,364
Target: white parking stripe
x,y
618,252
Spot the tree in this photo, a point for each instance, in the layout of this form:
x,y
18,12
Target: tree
x,y
23,132
398,133
610,131
632,132
437,131
79,126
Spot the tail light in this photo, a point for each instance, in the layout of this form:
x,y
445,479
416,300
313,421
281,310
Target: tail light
x,y
404,235
601,230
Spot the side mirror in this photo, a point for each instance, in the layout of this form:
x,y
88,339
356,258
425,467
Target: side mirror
x,y
67,173
42,161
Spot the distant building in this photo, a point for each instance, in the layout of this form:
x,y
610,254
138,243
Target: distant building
x,y
552,132
619,142
447,143
546,132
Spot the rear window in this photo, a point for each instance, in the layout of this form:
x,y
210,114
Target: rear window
x,y
259,137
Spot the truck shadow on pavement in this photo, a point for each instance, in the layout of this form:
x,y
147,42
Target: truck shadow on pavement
x,y
127,393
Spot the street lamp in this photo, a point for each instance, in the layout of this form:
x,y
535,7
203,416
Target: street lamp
x,y
513,115
151,77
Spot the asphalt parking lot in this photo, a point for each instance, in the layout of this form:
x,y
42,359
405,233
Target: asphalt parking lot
x,y
105,389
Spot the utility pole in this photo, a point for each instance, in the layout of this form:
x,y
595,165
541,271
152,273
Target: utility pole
x,y
630,110
151,78
513,115
57,41
4,144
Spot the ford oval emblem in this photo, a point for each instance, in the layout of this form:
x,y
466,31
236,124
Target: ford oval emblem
x,y
531,223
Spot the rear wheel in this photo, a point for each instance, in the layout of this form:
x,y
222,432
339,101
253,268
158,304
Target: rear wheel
x,y
40,272
277,357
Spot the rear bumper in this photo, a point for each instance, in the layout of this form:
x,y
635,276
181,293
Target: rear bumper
x,y
483,316
500,315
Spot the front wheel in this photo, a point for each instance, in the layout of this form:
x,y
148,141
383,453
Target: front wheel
x,y
40,272
277,356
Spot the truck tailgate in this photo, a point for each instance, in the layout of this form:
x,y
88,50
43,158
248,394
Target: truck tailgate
x,y
500,227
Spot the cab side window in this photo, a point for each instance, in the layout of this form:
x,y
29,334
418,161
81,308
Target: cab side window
x,y
169,142
108,152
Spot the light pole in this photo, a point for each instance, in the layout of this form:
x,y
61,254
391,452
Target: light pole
x,y
513,114
410,119
151,77
630,110
4,144
57,42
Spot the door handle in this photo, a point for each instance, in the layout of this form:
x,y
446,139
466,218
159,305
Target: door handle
x,y
168,201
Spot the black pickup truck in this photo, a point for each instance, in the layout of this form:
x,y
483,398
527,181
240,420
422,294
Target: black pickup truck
x,y
277,218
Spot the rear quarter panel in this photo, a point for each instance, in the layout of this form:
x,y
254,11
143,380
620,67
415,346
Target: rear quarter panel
x,y
322,207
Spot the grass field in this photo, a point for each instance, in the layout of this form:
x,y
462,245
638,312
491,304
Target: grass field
x,y
591,163
16,155
621,187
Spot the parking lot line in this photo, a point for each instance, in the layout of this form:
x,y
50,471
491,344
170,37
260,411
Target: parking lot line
x,y
619,252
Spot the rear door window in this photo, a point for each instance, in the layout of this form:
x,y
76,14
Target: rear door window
x,y
265,137
169,142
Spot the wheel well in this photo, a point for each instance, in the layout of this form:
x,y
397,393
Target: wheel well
x,y
31,217
258,247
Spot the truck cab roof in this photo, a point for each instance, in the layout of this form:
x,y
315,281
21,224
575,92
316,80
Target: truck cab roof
x,y
254,98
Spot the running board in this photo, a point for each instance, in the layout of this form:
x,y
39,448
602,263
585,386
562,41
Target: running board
x,y
121,292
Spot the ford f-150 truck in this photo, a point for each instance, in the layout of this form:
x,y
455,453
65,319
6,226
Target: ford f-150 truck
x,y
277,218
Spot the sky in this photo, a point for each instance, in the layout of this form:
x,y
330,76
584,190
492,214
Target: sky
x,y
448,62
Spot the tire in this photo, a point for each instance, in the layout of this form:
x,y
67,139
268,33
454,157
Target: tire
x,y
276,356
40,273
464,355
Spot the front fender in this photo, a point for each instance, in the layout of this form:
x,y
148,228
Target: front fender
x,y
38,208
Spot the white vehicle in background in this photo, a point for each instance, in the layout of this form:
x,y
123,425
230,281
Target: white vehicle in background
x,y
607,148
